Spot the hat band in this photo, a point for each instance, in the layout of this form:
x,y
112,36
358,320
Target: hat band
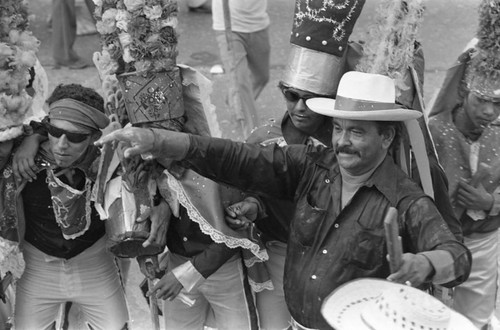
x,y
348,104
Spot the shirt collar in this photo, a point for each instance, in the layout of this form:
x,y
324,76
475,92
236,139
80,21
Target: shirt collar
x,y
383,177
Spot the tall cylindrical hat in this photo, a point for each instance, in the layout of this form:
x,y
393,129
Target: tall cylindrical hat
x,y
319,40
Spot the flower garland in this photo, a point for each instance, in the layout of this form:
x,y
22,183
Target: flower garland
x,y
484,74
137,35
18,49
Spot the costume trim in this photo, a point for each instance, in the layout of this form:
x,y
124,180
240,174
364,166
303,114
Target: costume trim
x,y
206,228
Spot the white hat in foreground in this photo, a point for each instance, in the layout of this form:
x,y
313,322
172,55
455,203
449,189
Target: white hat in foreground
x,y
363,96
375,304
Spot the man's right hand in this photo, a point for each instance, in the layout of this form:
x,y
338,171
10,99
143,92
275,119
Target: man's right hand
x,y
140,140
242,214
168,287
23,161
160,218
162,144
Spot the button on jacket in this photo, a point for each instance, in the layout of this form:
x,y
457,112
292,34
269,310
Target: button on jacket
x,y
353,237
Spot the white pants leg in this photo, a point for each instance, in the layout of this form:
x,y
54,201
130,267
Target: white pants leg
x,y
90,280
476,297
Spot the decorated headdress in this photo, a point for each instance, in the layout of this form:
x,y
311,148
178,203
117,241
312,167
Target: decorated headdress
x,y
139,41
137,66
392,49
17,55
483,74
319,44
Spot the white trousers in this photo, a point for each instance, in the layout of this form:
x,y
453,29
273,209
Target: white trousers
x,y
89,279
476,297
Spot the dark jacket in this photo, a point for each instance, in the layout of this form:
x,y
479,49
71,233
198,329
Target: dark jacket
x,y
328,246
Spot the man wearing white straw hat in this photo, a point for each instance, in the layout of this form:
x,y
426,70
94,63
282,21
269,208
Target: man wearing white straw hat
x,y
341,194
373,304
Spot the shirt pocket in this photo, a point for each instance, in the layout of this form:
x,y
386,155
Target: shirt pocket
x,y
307,222
366,250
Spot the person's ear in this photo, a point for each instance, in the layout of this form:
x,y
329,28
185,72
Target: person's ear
x,y
388,136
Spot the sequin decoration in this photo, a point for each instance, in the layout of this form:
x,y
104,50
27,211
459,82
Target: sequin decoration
x,y
154,97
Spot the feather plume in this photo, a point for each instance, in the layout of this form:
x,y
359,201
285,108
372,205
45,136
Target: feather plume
x,y
392,39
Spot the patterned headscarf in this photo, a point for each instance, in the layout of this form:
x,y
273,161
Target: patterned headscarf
x,y
78,113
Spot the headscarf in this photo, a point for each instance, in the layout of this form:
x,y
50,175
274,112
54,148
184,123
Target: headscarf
x,y
78,113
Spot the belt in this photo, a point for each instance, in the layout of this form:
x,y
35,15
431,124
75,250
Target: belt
x,y
297,326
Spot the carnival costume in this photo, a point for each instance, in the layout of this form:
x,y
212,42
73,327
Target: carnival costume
x,y
473,157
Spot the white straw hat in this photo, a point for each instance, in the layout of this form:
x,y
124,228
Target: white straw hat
x,y
363,96
375,304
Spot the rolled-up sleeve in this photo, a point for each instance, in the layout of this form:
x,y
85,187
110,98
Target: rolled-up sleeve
x,y
430,236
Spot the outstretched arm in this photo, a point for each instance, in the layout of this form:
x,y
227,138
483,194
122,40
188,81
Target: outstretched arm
x,y
158,143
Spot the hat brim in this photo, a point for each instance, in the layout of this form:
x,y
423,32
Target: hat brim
x,y
326,107
343,307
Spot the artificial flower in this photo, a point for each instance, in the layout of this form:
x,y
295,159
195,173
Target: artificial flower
x,y
133,5
127,56
125,39
139,34
152,12
170,21
122,19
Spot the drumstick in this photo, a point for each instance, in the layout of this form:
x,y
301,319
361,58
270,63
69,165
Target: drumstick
x,y
153,301
393,239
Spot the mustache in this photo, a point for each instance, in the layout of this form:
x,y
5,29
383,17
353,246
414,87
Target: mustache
x,y
345,150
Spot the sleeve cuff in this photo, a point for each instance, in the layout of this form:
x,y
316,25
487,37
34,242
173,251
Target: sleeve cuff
x,y
495,210
444,267
188,276
260,206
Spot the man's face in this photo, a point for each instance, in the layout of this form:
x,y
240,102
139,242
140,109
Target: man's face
x,y
481,112
66,151
359,145
302,117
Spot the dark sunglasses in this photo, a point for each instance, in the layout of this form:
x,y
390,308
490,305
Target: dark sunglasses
x,y
293,96
58,132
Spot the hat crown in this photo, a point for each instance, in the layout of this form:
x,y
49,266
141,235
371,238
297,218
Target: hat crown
x,y
407,308
367,86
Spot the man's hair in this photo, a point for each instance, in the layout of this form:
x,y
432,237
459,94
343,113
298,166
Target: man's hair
x,y
79,93
384,126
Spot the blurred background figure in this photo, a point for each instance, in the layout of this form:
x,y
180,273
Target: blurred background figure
x,y
245,51
64,34
200,6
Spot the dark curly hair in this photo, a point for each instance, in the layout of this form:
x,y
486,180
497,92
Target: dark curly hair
x,y
79,93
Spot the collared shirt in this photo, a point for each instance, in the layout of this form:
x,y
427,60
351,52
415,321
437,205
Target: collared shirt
x,y
328,246
279,212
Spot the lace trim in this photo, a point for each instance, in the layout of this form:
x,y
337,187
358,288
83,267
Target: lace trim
x,y
259,287
11,258
205,226
249,262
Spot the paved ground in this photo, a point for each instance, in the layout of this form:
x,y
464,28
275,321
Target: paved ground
x,y
447,27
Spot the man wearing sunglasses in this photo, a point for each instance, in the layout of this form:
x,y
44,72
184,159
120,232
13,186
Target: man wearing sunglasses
x,y
64,241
